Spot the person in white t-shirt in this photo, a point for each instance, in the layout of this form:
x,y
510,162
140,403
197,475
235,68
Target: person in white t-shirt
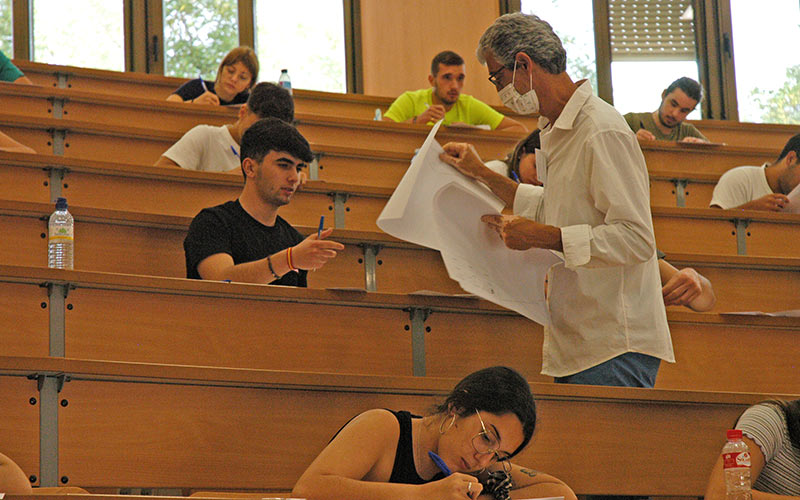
x,y
216,149
761,188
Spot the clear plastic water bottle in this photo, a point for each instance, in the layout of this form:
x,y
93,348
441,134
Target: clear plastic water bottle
x,y
736,466
284,81
61,237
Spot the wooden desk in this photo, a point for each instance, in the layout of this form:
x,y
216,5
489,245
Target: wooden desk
x,y
364,332
726,232
109,109
178,424
125,144
766,135
147,86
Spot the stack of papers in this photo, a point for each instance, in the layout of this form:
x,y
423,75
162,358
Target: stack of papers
x,y
437,207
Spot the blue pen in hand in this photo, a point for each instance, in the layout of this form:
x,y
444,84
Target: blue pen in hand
x,y
514,176
440,463
321,222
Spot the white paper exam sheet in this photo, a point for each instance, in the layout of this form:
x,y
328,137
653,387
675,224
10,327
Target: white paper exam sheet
x,y
437,207
794,201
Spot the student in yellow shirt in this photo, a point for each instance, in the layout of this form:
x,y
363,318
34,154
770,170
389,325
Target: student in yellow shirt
x,y
445,100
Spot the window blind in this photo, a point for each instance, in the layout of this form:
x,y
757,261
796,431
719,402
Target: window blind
x,y
652,30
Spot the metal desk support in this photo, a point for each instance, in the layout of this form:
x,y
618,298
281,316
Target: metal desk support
x,y
680,191
339,199
313,168
418,317
49,386
57,294
741,235
370,266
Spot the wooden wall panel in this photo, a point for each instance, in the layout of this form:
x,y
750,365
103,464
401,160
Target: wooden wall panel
x,y
202,437
217,331
25,322
19,423
400,38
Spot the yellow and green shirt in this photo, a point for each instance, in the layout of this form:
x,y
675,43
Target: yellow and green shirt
x,y
466,110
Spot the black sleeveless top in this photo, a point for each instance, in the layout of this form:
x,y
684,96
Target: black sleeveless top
x,y
404,471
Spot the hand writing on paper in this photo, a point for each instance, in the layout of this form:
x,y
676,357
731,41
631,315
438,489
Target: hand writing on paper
x,y
456,486
645,135
207,98
519,233
773,202
693,140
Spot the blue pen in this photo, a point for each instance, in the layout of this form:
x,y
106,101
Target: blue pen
x,y
321,222
233,150
439,463
515,176
203,82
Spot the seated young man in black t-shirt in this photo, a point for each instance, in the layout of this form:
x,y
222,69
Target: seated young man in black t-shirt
x,y
245,240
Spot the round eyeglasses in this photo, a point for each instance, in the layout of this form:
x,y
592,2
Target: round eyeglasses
x,y
486,443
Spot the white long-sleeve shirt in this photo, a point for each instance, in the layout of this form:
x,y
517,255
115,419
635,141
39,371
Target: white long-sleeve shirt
x,y
605,299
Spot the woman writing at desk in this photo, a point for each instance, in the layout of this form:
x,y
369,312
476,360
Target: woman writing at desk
x,y
487,419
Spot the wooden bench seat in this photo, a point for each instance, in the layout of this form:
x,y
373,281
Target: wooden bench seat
x,y
162,320
202,427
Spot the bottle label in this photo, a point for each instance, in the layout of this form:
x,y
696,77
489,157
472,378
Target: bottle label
x,y
61,233
737,459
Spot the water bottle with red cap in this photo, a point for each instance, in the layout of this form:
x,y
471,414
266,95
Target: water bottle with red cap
x,y
736,466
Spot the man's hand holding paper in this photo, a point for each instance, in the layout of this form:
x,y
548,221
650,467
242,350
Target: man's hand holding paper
x,y
463,157
519,233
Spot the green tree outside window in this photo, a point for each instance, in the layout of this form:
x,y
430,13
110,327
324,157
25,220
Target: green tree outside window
x,y
197,35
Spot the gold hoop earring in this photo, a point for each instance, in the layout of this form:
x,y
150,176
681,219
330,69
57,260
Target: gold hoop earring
x,y
442,430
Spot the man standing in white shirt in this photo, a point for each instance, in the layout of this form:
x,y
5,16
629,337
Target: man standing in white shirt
x,y
761,188
608,323
216,149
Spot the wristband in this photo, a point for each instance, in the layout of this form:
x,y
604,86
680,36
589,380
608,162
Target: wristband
x,y
269,263
289,260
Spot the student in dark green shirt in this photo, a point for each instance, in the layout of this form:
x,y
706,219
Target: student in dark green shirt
x,y
667,123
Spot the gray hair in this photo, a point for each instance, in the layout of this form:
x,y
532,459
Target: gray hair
x,y
514,33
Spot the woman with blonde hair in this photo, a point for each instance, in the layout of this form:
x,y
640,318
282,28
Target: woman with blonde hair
x,y
236,75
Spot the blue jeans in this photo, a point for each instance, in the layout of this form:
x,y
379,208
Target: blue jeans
x,y
631,369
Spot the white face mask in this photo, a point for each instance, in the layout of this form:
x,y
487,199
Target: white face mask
x,y
526,104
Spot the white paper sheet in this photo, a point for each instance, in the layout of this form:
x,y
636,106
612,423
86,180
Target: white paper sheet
x,y
437,207
794,201
792,313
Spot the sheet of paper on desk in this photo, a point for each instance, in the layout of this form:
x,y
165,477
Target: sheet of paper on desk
x,y
792,313
437,207
794,201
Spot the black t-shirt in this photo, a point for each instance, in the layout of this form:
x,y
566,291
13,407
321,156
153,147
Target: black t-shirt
x,y
227,228
194,89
